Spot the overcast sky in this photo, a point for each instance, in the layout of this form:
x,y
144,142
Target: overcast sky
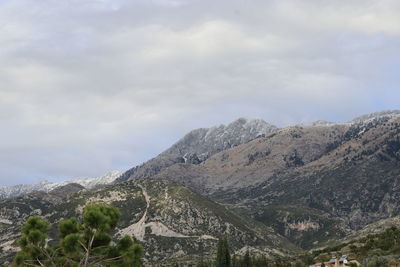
x,y
89,86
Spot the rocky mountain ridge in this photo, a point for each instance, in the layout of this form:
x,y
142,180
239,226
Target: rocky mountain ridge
x,y
292,188
198,145
46,186
319,170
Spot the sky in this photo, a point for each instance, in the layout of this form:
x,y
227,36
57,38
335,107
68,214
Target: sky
x,y
90,86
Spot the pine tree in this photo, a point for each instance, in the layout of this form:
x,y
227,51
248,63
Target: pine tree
x,y
223,255
247,259
81,244
33,243
235,261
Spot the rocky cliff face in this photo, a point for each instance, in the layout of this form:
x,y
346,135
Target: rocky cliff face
x,y
200,144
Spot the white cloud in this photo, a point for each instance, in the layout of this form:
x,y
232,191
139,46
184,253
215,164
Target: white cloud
x,y
87,86
370,17
216,38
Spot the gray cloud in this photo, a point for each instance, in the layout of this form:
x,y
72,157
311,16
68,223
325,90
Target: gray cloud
x,y
94,85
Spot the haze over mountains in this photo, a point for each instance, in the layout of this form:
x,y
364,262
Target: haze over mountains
x,y
195,147
46,186
273,189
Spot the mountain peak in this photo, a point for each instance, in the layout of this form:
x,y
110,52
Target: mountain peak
x,y
199,144
376,115
250,122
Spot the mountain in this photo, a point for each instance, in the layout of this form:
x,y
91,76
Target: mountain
x,y
46,186
310,183
387,114
259,160
377,227
198,145
169,220
377,242
299,187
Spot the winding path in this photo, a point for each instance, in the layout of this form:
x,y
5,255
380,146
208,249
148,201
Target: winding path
x,y
157,228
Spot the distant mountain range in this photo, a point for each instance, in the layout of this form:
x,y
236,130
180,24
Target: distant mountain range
x,y
275,190
46,186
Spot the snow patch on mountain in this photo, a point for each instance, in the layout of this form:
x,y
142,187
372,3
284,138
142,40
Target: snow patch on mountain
x,y
199,144
362,120
46,186
388,114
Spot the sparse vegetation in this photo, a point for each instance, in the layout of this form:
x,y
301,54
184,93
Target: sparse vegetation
x,y
291,190
372,250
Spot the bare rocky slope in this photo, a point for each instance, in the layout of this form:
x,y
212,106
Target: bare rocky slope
x,y
302,185
310,183
200,144
170,221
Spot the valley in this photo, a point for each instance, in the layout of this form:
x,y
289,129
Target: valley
x,y
278,191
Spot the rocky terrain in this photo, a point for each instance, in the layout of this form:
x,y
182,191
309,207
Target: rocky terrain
x,y
169,220
311,183
377,227
46,186
200,144
272,189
